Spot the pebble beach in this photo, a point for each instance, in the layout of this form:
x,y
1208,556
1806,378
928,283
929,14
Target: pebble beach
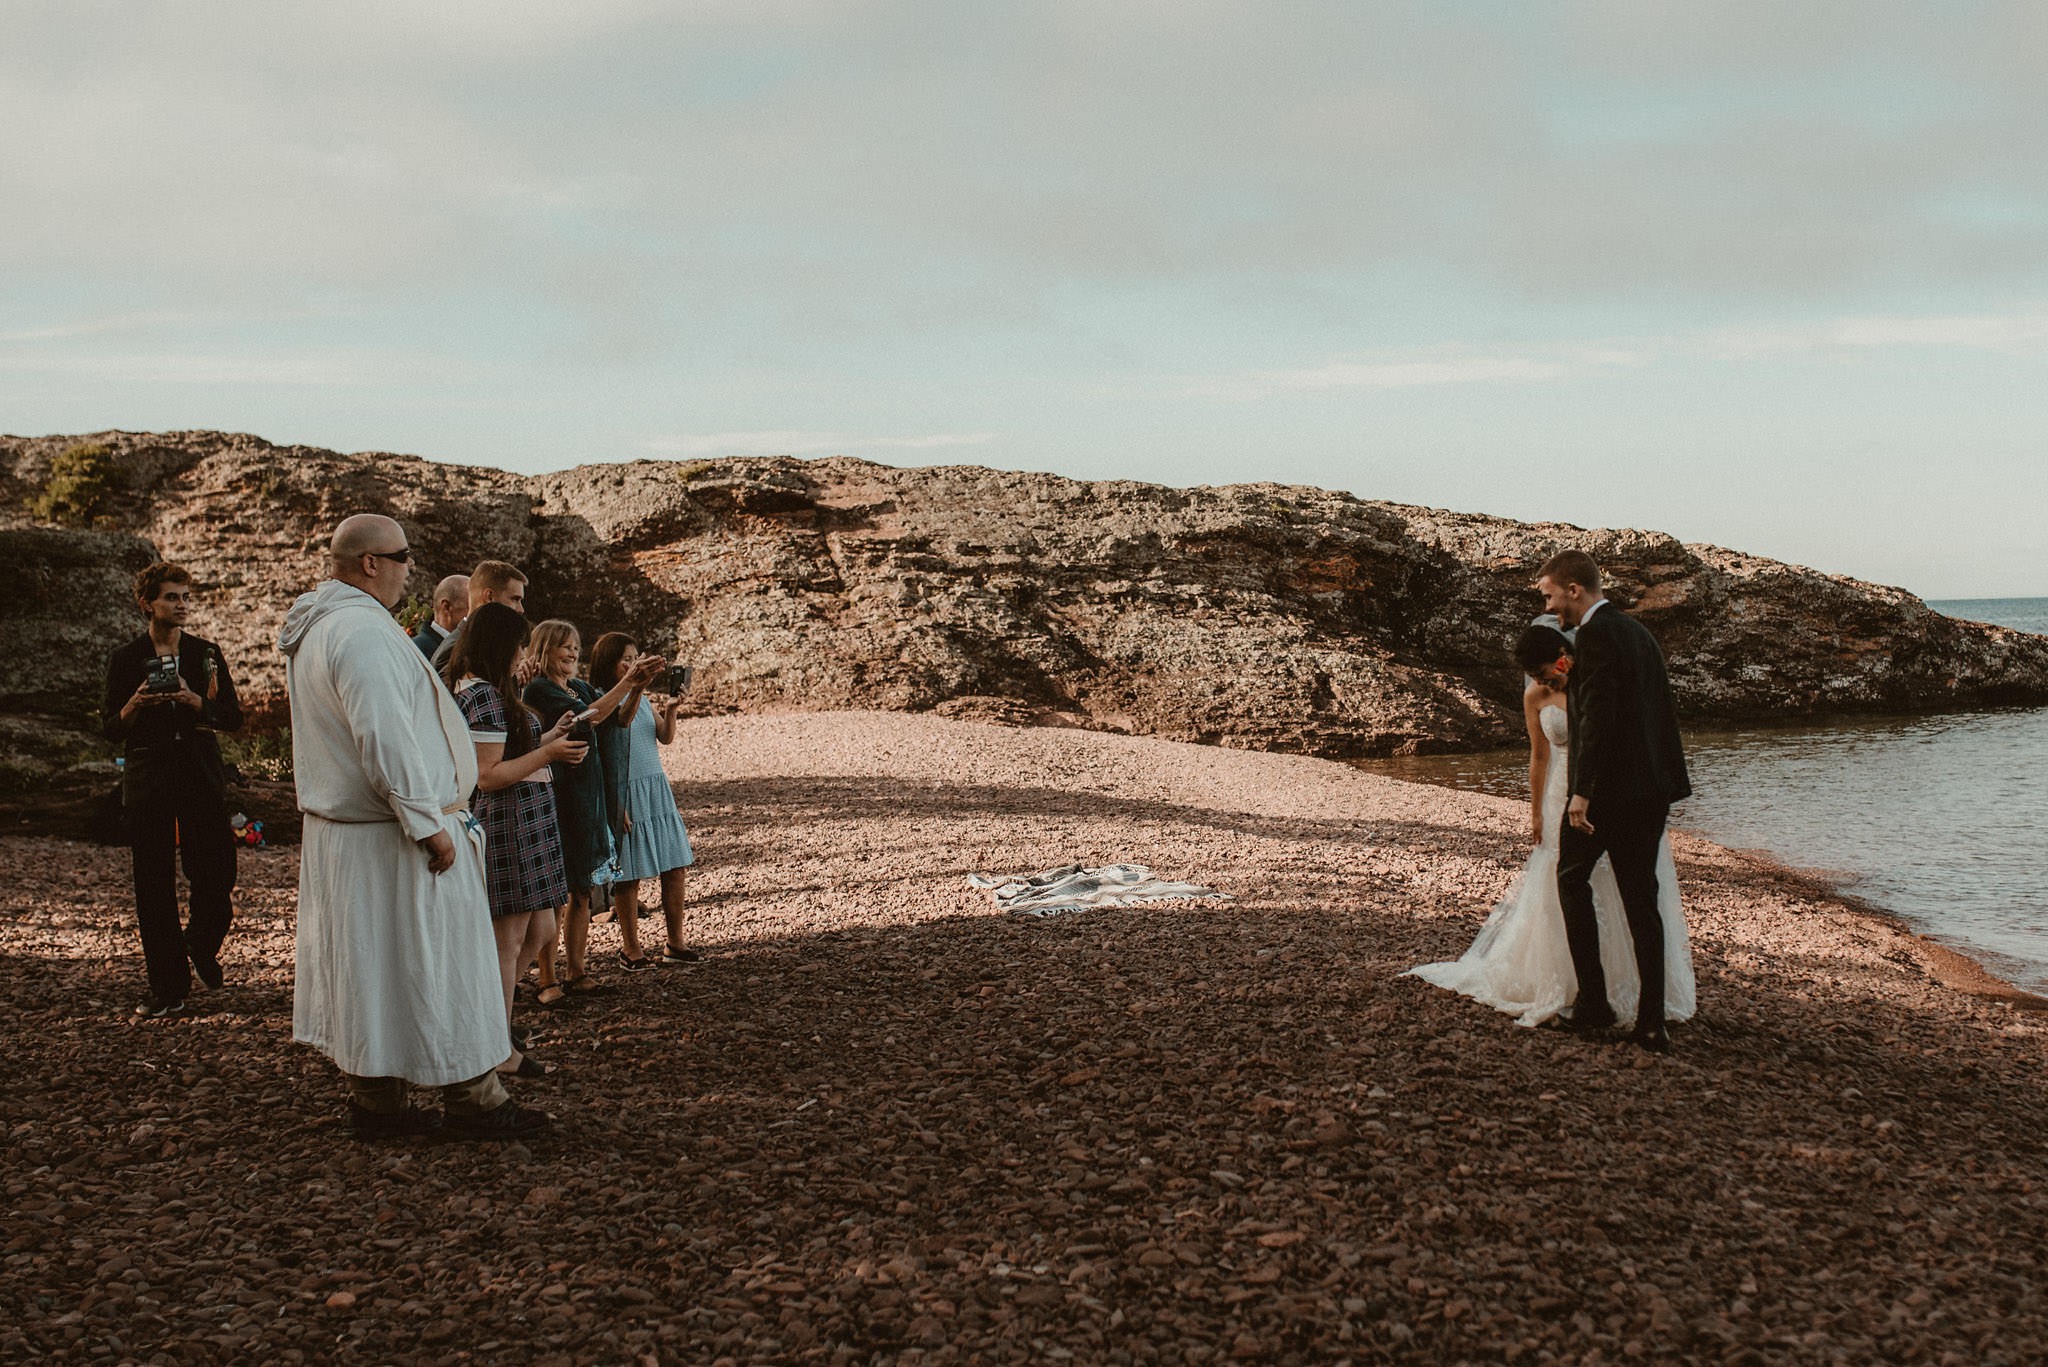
x,y
884,1123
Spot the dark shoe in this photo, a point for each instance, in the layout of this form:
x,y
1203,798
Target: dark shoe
x,y
509,1121
154,1010
208,970
585,987
522,1038
1656,1039
1565,1025
671,955
409,1123
635,965
1588,1021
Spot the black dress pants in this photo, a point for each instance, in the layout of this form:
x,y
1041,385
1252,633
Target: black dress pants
x,y
1629,838
188,819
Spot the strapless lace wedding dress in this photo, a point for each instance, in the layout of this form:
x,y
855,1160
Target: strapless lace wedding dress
x,y
1520,963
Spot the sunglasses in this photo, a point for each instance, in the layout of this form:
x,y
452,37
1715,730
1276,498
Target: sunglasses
x,y
403,555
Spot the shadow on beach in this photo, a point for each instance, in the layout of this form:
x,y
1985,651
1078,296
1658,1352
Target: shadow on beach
x,y
1177,1132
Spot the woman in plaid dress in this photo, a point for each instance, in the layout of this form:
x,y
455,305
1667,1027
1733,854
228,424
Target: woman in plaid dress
x,y
524,872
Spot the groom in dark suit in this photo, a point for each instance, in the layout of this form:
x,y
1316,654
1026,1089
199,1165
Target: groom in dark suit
x,y
1627,768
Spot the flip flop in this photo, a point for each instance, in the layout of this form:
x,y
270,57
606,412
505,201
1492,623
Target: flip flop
x,y
583,987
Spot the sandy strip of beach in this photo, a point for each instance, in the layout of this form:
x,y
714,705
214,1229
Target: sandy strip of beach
x,y
884,1123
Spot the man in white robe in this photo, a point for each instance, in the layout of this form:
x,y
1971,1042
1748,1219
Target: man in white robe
x,y
397,973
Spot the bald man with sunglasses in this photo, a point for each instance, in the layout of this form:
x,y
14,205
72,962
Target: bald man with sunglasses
x,y
397,974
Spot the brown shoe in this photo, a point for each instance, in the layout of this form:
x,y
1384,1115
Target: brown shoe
x,y
509,1120
412,1122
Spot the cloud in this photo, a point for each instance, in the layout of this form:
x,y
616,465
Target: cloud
x,y
2015,332
1397,371
793,443
2025,331
879,153
629,178
91,327
317,367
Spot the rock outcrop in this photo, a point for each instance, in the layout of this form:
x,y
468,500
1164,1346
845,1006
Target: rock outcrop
x,y
71,603
1257,615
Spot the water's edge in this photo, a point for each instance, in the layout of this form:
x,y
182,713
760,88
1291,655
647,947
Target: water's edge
x,y
1928,823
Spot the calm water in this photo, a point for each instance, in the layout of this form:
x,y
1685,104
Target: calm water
x,y
1939,819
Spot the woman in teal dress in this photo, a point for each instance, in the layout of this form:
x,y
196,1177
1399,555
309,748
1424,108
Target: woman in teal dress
x,y
652,842
585,802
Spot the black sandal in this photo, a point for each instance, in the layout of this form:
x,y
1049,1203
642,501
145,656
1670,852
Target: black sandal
x,y
529,1066
582,986
560,1003
638,965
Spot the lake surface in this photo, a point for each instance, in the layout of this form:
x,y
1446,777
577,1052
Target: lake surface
x,y
1942,820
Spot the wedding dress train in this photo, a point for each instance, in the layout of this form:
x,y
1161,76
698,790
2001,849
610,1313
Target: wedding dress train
x,y
1520,963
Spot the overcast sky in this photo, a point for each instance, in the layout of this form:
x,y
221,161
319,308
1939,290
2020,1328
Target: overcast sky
x,y
1771,275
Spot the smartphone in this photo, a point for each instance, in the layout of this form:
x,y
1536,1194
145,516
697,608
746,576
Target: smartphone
x,y
679,679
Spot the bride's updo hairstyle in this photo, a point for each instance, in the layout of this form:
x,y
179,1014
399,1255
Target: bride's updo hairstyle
x,y
1538,648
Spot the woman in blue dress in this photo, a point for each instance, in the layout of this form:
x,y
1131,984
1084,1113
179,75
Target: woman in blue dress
x,y
651,840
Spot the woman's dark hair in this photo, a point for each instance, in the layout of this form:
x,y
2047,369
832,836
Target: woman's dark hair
x,y
1538,648
604,659
488,648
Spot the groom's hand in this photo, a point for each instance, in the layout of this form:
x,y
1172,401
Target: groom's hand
x,y
1576,814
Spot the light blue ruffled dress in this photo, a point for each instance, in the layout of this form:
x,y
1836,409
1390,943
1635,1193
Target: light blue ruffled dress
x,y
657,841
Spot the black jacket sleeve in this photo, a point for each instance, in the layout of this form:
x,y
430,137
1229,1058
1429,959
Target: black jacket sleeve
x,y
124,676
1597,670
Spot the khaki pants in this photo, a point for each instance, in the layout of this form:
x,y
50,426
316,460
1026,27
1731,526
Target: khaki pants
x,y
388,1095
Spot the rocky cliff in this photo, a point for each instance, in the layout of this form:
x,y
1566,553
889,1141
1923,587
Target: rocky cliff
x,y
1257,615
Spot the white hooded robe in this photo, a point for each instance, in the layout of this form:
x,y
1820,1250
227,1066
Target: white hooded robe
x,y
397,972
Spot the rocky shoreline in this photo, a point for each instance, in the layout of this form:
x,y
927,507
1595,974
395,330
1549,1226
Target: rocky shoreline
x,y
1255,616
883,1123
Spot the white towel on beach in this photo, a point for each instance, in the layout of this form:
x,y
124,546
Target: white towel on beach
x,y
1072,887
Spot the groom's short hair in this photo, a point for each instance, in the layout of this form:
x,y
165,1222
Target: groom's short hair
x,y
1571,567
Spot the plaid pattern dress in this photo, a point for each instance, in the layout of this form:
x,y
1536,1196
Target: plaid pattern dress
x,y
523,867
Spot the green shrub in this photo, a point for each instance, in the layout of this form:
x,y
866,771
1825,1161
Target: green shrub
x,y
260,754
76,489
413,611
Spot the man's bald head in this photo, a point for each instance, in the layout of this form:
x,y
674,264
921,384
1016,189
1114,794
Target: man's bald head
x,y
451,601
364,534
370,553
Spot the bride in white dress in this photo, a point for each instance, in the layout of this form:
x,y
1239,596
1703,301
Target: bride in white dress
x,y
1520,963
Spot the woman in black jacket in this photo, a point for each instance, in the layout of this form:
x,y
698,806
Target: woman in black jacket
x,y
168,691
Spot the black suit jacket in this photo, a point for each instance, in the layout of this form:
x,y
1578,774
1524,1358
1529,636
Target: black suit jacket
x,y
439,658
428,638
168,745
1625,749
